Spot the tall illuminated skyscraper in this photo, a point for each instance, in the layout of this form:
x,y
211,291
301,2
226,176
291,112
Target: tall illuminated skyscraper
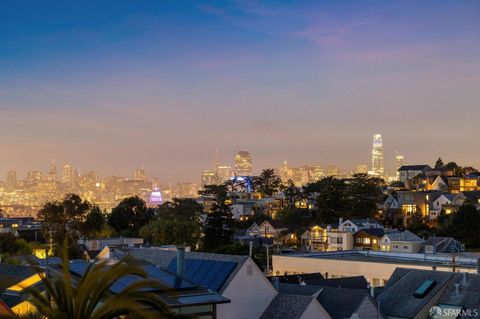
x,y
377,156
11,178
52,171
399,162
243,163
68,173
140,175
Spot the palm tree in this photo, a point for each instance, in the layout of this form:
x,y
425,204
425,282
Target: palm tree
x,y
90,296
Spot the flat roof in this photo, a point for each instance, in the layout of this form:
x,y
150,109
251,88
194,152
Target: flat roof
x,y
438,260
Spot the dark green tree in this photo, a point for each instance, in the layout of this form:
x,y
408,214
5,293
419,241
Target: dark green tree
x,y
465,225
62,221
331,200
130,215
218,228
417,224
452,166
267,182
363,194
185,209
292,193
171,231
176,223
95,224
7,243
439,164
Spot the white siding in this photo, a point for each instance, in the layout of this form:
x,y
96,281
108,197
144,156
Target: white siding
x,y
250,295
315,311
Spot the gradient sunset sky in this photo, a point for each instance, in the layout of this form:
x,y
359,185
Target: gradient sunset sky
x,y
114,85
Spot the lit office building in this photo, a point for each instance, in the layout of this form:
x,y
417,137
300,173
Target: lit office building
x,y
139,175
243,163
332,171
361,169
399,162
224,173
377,156
11,178
209,177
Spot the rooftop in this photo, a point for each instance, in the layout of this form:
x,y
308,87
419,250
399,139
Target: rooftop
x,y
464,261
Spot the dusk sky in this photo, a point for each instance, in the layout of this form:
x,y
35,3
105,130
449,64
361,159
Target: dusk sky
x,y
114,85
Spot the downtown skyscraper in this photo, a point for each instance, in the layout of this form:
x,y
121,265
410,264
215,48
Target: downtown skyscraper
x,y
377,156
243,163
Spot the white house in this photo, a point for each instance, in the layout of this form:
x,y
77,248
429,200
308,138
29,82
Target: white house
x,y
249,291
407,172
439,184
269,229
354,225
437,205
401,242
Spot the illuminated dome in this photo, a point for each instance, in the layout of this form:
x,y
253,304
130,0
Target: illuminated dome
x,y
156,197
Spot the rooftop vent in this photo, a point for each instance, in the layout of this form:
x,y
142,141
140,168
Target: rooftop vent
x,y
424,289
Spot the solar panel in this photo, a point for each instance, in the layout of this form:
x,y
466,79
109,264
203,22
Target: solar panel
x,y
170,280
210,274
167,279
79,268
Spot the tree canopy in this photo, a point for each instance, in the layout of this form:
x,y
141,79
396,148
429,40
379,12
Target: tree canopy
x,y
129,216
267,182
218,228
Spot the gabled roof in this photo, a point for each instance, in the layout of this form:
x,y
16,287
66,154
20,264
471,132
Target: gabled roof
x,y
361,222
163,259
12,274
285,306
274,223
404,236
472,196
296,289
469,292
210,274
414,167
444,244
341,302
450,196
296,279
377,232
397,298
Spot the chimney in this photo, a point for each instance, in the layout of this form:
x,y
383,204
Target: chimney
x,y
457,289
180,260
250,251
465,278
276,283
340,221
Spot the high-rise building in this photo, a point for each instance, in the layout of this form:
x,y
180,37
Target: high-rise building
x,y
317,173
361,169
224,173
377,156
243,163
52,171
34,176
332,171
140,175
399,162
68,174
11,178
209,177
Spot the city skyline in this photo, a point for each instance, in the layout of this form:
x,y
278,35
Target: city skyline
x,y
391,164
309,82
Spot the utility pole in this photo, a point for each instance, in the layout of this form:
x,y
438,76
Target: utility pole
x,y
267,270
